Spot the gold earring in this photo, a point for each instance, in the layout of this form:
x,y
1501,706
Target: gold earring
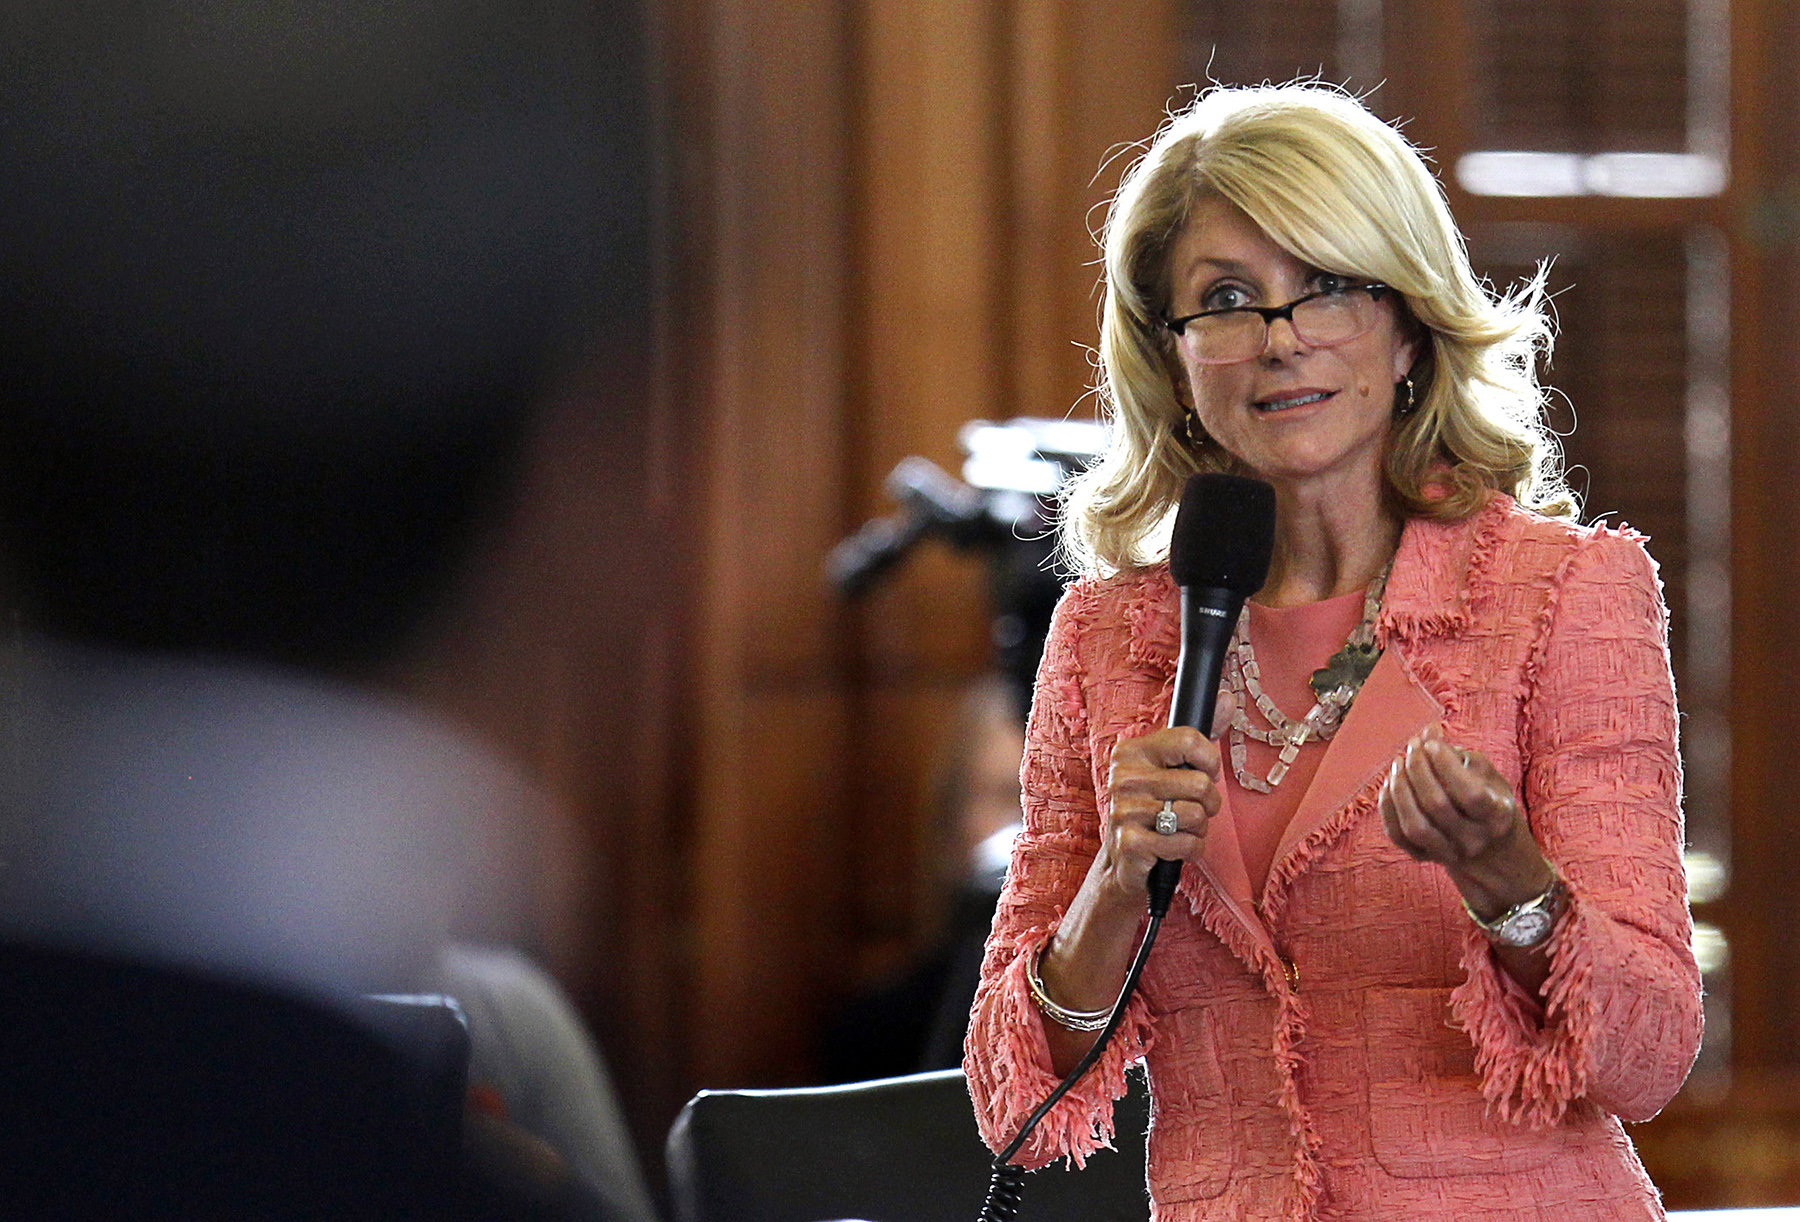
x,y
1189,420
1409,407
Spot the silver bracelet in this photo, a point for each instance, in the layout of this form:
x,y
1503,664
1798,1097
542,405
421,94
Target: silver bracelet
x,y
1074,1020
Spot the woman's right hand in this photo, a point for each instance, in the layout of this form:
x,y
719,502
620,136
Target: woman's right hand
x,y
1178,765
1085,964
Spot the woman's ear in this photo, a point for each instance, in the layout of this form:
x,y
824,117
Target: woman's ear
x,y
1178,385
1411,342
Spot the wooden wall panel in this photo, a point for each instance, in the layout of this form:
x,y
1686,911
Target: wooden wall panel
x,y
1614,71
1122,80
1238,45
1089,84
1047,324
1766,530
932,280
770,891
904,730
771,320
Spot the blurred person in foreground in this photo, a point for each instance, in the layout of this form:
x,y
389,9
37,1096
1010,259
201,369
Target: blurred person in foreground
x,y
282,288
1431,943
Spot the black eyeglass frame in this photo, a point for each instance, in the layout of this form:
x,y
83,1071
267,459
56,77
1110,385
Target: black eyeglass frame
x,y
1270,313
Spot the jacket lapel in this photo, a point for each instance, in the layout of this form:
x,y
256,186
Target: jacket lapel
x,y
1222,856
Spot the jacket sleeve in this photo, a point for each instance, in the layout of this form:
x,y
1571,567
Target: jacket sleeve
x,y
1006,1057
1620,1020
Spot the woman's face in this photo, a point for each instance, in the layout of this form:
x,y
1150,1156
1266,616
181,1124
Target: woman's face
x,y
1308,417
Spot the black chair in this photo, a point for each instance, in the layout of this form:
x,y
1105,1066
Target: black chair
x,y
891,1150
135,1091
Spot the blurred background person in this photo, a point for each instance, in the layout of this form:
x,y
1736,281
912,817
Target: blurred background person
x,y
915,1020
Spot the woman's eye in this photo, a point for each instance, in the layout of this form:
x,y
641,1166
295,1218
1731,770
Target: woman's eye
x,y
1225,297
1331,282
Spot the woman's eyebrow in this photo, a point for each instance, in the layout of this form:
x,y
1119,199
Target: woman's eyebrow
x,y
1231,267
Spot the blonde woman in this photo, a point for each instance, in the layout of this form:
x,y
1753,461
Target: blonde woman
x,y
1431,943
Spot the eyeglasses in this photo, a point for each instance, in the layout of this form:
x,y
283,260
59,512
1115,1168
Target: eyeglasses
x,y
1335,316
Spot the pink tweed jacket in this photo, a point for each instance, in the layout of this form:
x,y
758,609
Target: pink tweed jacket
x,y
1344,1045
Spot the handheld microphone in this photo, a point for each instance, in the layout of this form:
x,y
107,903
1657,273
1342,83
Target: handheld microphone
x,y
1219,556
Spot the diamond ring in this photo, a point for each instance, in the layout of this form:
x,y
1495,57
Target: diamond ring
x,y
1165,818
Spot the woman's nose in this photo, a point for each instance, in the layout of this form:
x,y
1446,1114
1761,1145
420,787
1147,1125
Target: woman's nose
x,y
1280,340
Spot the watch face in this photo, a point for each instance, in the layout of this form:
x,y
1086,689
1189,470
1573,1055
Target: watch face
x,y
1526,928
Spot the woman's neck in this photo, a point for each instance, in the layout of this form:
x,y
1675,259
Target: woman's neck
x,y
1326,545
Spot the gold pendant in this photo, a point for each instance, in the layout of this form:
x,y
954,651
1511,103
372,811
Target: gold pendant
x,y
1348,667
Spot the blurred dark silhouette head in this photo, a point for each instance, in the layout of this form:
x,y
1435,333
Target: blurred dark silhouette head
x,y
280,285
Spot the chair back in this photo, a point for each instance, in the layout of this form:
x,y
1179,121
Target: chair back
x,y
891,1150
131,1090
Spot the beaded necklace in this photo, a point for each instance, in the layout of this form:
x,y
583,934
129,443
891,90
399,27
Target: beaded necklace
x,y
1335,684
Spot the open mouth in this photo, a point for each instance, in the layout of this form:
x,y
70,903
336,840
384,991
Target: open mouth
x,y
1281,403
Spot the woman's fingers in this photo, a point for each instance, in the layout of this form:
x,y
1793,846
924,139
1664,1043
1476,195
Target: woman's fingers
x,y
1472,782
1176,765
1442,787
1136,842
1390,820
1174,769
1145,790
1427,786
1175,747
1138,798
1481,798
1408,824
1447,804
1184,817
1150,845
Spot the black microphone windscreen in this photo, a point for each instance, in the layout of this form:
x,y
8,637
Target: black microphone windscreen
x,y
1224,533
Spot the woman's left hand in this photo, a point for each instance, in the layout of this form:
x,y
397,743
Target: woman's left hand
x,y
1452,806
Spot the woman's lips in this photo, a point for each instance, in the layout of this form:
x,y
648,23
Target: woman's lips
x,y
1290,399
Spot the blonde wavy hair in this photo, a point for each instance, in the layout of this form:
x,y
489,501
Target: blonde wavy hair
x,y
1342,191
